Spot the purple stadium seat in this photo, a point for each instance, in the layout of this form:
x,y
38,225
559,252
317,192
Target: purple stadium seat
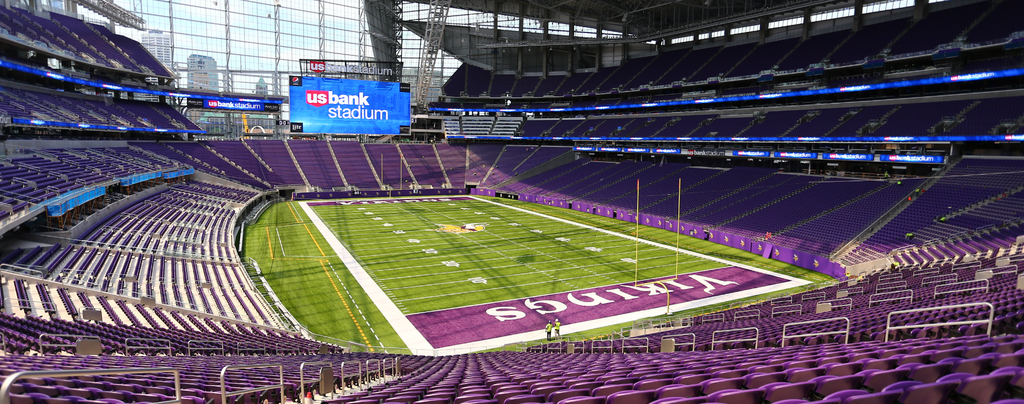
x,y
983,389
630,397
874,398
929,393
560,395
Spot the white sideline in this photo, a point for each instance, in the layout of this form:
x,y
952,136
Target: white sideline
x,y
408,332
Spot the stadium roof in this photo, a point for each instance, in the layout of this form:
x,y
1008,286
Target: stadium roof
x,y
646,19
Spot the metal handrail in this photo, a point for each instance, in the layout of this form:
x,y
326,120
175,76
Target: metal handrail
x,y
611,345
395,368
889,286
783,299
962,265
968,289
42,344
757,336
1007,269
938,280
926,272
812,296
302,376
223,386
359,371
5,389
190,348
530,345
848,302
170,350
256,347
646,346
718,318
855,290
814,334
693,345
890,277
871,299
888,319
368,370
793,308
745,314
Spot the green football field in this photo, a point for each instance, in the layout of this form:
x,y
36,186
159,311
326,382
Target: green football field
x,y
423,259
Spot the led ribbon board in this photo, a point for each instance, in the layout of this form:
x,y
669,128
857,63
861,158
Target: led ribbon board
x,y
232,105
328,105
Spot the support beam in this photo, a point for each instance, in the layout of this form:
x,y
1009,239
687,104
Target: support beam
x,y
763,30
114,12
858,15
806,26
920,9
437,18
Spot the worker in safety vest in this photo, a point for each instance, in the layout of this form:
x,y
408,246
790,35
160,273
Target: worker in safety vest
x,y
558,329
548,329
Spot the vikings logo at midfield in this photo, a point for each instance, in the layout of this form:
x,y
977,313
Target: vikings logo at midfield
x,y
467,228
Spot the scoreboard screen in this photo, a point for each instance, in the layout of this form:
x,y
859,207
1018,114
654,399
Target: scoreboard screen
x,y
346,106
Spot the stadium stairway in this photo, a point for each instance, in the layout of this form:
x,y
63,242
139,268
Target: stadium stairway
x,y
295,161
196,151
369,162
685,189
455,162
424,165
406,166
609,187
440,163
576,178
522,186
276,155
543,160
831,210
728,194
337,165
257,155
492,166
850,246
767,204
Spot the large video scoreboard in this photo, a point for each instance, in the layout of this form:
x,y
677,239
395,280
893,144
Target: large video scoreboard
x,y
346,106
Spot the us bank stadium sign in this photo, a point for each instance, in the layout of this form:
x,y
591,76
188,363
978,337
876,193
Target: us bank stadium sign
x,y
354,69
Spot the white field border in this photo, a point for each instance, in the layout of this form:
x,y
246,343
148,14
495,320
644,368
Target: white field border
x,y
403,327
413,339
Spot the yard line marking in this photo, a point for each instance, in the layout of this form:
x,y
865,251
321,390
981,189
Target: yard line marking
x,y
412,337
314,240
464,237
601,274
348,309
369,258
270,246
297,220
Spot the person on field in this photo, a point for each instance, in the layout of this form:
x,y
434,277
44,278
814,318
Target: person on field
x,y
548,329
558,329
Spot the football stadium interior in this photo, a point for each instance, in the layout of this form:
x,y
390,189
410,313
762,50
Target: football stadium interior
x,y
512,201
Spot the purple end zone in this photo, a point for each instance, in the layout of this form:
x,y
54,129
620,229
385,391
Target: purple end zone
x,y
462,325
386,201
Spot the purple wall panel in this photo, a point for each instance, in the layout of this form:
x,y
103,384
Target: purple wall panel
x,y
301,196
484,192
